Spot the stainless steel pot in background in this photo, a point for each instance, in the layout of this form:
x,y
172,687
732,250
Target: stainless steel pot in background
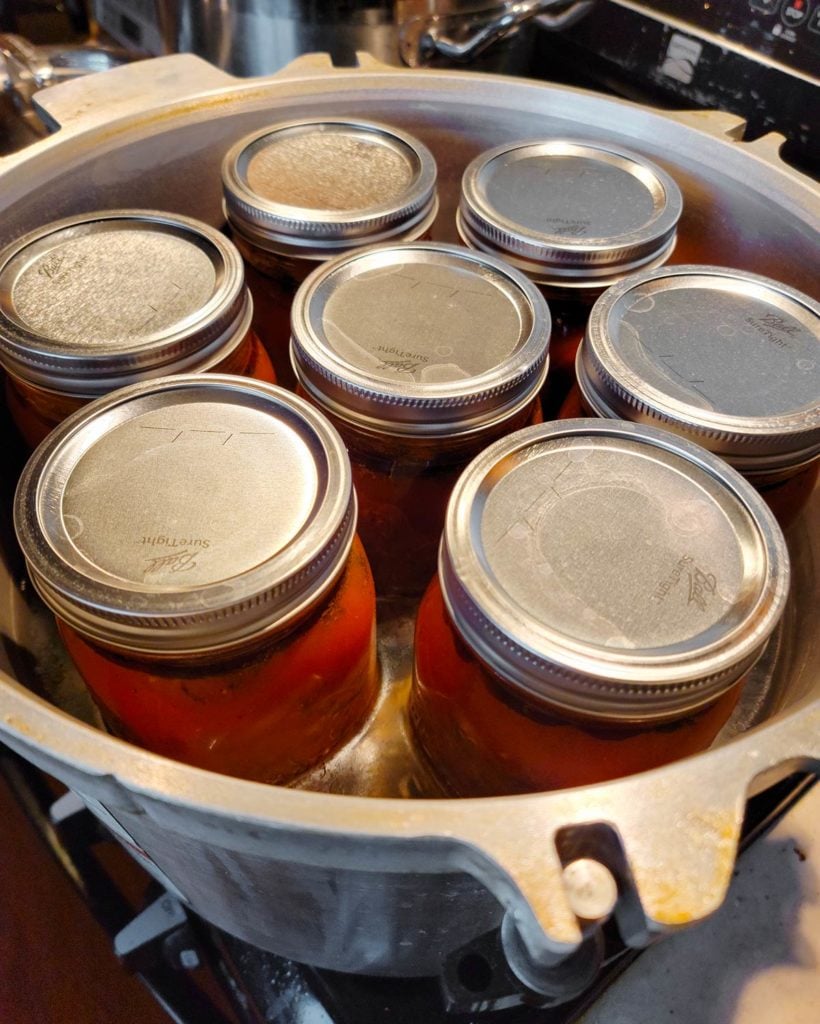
x,y
257,37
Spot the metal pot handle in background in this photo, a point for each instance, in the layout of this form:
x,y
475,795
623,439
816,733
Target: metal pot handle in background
x,y
422,39
22,68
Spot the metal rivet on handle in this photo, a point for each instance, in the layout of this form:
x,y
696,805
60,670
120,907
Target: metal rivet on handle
x,y
591,890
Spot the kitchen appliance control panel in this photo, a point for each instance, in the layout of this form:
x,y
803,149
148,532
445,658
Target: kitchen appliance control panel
x,y
759,59
787,31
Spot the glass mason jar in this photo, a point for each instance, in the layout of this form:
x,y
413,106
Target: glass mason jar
x,y
420,354
728,359
302,192
195,537
575,216
603,589
100,300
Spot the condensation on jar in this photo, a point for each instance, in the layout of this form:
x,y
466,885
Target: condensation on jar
x,y
575,216
728,359
302,192
102,300
195,538
603,591
421,354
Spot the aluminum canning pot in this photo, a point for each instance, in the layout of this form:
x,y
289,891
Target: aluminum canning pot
x,y
347,877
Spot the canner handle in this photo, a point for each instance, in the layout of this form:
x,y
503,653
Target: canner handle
x,y
657,850
104,98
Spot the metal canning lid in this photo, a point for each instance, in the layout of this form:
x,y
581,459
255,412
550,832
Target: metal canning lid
x,y
320,186
568,212
612,569
187,513
104,299
421,338
728,359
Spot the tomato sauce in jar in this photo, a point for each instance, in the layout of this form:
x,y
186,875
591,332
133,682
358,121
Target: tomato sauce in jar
x,y
195,537
421,354
569,321
575,216
603,591
106,299
302,192
728,359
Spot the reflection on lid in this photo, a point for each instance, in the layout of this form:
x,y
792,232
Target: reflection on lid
x,y
186,511
423,334
728,358
611,568
577,211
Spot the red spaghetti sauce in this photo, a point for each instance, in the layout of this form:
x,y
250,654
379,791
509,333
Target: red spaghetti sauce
x,y
420,355
204,570
486,738
579,629
37,411
270,711
272,301
403,486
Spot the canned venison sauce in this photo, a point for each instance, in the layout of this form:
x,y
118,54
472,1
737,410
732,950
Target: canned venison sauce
x,y
195,537
728,359
575,216
302,192
603,590
420,354
100,300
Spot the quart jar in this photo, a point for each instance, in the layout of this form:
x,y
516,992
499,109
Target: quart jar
x,y
302,192
100,300
421,354
575,216
603,589
728,359
195,537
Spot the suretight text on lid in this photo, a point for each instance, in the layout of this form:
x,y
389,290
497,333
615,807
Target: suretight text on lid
x,y
420,337
612,569
186,512
568,211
